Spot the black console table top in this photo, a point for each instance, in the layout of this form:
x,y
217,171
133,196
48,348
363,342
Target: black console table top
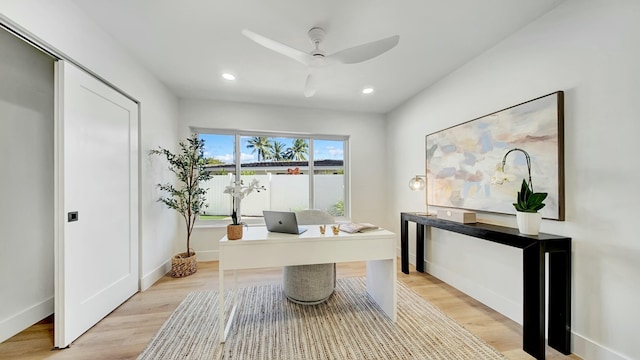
x,y
534,250
495,233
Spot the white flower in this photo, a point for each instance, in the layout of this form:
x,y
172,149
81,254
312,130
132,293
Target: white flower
x,y
240,191
500,177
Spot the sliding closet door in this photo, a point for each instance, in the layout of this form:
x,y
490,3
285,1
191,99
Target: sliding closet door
x,y
96,201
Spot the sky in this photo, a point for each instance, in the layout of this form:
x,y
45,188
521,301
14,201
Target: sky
x,y
221,147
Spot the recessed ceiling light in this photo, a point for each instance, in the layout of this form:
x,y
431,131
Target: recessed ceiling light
x,y
367,90
228,76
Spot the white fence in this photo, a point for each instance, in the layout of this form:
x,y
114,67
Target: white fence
x,y
283,193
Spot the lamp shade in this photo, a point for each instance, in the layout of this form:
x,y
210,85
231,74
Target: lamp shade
x,y
417,183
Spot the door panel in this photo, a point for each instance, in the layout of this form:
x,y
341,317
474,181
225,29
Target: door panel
x,y
97,177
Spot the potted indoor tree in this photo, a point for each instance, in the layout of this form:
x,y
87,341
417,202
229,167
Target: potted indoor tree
x,y
527,206
186,196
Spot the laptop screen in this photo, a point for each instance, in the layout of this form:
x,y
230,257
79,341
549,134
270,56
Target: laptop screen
x,y
282,222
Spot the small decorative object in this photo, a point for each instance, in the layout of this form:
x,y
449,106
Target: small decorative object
x,y
187,198
528,202
456,215
323,228
336,229
239,191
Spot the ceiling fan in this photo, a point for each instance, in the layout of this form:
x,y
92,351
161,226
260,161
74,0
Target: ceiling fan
x,y
317,58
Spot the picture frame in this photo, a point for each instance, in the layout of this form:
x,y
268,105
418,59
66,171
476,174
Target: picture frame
x,y
460,160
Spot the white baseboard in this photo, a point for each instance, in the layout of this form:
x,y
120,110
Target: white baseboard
x,y
588,349
22,320
208,255
156,274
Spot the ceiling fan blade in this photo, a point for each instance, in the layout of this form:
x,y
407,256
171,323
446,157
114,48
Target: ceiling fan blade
x,y
366,51
310,85
279,47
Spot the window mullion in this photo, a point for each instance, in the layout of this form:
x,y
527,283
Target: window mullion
x,y
312,204
237,156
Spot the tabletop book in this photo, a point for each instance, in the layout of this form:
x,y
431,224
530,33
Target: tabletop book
x,y
357,227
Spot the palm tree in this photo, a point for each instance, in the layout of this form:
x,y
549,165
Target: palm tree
x,y
260,144
278,151
298,150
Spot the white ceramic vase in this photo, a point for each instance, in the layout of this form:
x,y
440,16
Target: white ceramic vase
x,y
528,223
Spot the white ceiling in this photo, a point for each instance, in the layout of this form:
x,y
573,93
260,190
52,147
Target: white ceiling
x,y
187,44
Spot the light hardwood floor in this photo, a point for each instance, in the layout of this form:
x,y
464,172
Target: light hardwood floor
x,y
124,333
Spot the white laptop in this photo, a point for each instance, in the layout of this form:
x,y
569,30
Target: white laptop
x,y
282,222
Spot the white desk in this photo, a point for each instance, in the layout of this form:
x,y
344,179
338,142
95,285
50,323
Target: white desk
x,y
259,248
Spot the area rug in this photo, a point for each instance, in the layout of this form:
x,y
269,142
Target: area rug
x,y
349,325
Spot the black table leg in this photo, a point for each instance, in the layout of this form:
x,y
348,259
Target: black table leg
x,y
560,299
533,326
404,245
419,247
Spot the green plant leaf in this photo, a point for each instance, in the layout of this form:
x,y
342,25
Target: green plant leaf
x,y
527,200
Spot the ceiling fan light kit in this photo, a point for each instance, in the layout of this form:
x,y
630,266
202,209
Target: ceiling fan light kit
x,y
317,58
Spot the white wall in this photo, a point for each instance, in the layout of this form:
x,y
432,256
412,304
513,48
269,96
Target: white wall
x,y
589,49
26,186
367,150
61,25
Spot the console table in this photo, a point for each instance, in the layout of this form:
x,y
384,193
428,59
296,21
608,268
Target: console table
x,y
534,249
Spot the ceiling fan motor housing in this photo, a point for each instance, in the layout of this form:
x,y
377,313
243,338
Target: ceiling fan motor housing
x,y
316,34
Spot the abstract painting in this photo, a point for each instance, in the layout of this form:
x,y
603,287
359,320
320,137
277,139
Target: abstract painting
x,y
462,159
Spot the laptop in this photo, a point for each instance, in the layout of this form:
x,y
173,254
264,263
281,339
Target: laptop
x,y
282,222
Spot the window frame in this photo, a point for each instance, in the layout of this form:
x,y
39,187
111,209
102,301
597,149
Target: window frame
x,y
238,134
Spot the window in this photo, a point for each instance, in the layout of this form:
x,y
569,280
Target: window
x,y
297,171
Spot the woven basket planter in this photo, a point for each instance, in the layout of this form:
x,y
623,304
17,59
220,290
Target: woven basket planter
x,y
182,266
234,232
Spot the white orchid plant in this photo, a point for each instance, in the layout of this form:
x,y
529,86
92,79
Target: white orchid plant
x,y
527,200
239,191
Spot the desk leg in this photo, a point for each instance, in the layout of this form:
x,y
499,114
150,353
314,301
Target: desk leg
x,y
560,300
404,245
221,317
534,301
381,284
225,327
420,247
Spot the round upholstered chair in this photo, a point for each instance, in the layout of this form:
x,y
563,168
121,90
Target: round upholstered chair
x,y
310,284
